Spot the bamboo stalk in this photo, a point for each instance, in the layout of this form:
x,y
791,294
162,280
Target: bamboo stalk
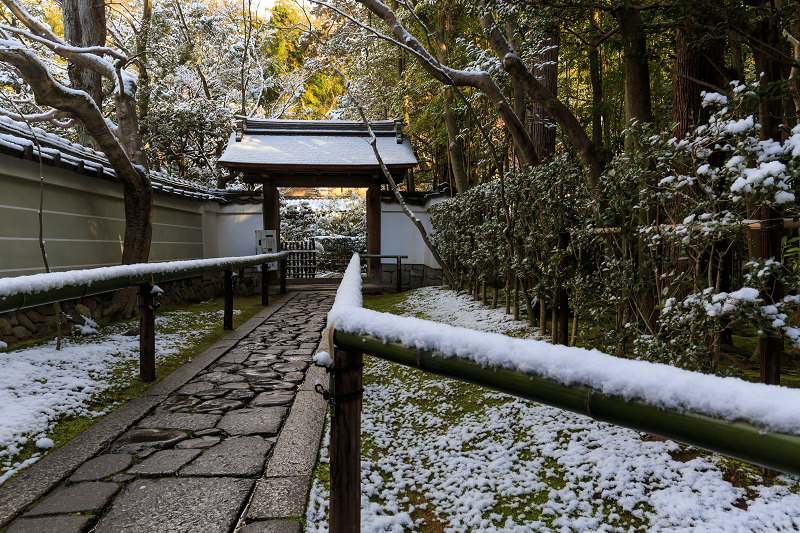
x,y
743,441
15,302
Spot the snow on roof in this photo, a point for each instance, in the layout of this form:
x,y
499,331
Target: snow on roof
x,y
17,139
318,204
316,143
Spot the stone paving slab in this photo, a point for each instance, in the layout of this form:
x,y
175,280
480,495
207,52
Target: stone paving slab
x,y
186,421
164,463
236,457
296,450
279,497
101,467
192,505
254,421
220,420
53,524
32,483
273,526
144,441
81,498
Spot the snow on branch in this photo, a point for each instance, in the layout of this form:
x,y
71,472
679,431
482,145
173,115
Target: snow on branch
x,y
51,117
767,406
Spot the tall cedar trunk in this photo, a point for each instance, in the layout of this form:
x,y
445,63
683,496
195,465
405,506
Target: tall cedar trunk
x,y
637,72
699,61
516,84
698,67
767,39
543,132
456,153
597,82
638,107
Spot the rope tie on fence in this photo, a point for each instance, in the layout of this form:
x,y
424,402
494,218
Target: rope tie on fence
x,y
334,397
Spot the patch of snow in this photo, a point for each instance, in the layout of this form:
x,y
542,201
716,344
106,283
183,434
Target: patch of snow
x,y
323,359
39,384
496,463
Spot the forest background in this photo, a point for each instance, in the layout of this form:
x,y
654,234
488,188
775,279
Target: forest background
x,y
630,166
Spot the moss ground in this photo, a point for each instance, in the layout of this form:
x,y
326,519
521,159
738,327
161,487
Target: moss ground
x,y
67,427
467,398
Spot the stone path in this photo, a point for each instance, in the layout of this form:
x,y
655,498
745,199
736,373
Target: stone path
x,y
232,449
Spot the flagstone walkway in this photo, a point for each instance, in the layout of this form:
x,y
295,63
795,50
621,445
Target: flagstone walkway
x,y
225,446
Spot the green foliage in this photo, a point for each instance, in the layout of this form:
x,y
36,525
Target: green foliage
x,y
660,260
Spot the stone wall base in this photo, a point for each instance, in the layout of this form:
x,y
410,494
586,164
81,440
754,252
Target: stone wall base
x,y
38,322
411,276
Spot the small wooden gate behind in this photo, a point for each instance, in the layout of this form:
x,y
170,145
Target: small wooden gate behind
x,y
302,262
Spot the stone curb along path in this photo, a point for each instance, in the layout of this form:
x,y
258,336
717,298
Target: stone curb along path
x,y
228,442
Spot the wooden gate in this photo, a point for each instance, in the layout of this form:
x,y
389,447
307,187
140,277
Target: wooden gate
x,y
302,262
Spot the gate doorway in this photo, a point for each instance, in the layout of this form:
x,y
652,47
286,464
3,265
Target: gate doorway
x,y
319,153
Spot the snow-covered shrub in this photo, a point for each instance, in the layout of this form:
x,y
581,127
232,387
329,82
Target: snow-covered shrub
x,y
338,226
660,259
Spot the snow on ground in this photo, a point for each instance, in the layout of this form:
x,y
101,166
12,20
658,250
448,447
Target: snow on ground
x,y
461,311
439,455
39,384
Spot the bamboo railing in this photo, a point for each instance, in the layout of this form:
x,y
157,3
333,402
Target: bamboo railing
x,y
738,439
44,289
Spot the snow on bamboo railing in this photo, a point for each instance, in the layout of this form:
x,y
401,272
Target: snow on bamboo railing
x,y
39,289
754,422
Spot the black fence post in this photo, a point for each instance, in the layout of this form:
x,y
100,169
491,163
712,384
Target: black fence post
x,y
264,286
282,273
345,505
227,317
399,274
147,333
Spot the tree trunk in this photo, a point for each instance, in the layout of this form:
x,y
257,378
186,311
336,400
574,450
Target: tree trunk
x,y
85,25
449,76
453,142
543,132
142,42
694,62
766,42
638,105
596,81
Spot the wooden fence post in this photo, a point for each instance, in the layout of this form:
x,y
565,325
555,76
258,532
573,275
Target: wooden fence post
x,y
283,265
227,317
147,333
563,296
264,286
345,504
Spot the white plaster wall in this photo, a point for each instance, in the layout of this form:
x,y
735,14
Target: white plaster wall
x,y
84,221
236,226
399,236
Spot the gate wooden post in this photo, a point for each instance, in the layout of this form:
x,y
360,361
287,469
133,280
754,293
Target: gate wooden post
x,y
345,505
147,333
227,317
